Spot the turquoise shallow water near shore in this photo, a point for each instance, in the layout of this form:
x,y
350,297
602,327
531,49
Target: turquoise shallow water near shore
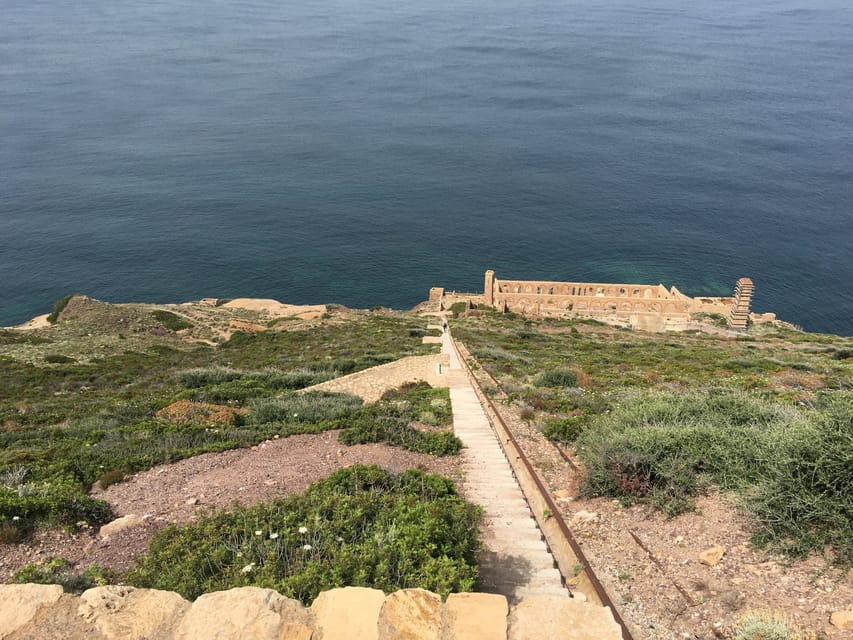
x,y
361,152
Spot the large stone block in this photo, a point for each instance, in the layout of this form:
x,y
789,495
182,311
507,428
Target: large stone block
x,y
474,616
545,617
247,613
19,604
125,612
349,613
410,614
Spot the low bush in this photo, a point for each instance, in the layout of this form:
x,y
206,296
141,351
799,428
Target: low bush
x,y
318,407
395,431
172,321
794,468
565,429
361,526
557,378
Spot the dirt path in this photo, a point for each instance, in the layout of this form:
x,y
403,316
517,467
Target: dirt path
x,y
181,491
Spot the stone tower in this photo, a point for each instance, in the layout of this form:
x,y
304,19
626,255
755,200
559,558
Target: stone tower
x,y
489,288
739,313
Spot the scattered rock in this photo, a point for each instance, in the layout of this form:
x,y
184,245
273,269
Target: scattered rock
x,y
712,555
120,524
562,494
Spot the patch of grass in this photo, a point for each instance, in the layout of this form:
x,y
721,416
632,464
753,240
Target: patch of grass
x,y
316,407
172,321
361,526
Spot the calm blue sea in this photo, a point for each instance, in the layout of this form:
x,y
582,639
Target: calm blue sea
x,y
360,152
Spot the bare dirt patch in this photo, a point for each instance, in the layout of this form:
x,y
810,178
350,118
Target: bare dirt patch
x,y
182,491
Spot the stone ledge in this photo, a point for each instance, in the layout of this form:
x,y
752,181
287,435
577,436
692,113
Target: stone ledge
x,y
43,612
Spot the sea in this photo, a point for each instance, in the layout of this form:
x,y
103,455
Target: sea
x,y
360,152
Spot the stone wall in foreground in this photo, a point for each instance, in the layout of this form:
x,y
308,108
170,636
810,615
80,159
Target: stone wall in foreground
x,y
44,612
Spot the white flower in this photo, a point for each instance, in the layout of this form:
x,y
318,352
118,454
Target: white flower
x,y
339,539
259,532
15,518
273,536
306,547
295,415
303,529
248,568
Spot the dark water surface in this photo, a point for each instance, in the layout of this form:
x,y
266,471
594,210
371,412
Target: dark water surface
x,y
361,152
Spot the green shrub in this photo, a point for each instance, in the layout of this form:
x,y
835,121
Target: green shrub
x,y
58,307
361,526
804,501
458,308
565,429
313,406
396,432
768,625
668,446
557,378
56,358
171,321
202,377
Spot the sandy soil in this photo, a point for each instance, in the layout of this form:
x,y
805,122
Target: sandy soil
x,y
180,492
39,322
277,309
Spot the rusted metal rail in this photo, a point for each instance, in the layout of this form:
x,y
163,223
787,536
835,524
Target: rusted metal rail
x,y
566,550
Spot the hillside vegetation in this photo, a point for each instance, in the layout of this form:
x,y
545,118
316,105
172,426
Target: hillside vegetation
x,y
660,418
109,390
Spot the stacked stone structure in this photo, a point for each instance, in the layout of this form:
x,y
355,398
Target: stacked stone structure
x,y
739,314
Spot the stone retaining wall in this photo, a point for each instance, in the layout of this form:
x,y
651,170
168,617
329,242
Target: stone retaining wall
x,y
44,612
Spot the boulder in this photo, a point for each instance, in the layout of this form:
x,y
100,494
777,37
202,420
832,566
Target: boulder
x,y
410,614
348,613
120,524
474,616
125,612
19,604
245,613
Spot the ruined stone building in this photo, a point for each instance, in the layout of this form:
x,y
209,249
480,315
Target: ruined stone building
x,y
640,306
